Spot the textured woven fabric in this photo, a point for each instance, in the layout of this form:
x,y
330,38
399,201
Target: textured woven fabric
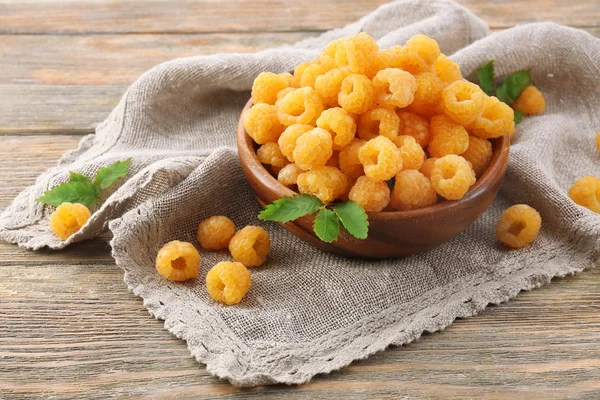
x,y
309,312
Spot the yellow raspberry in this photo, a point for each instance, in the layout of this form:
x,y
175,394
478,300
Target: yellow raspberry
x,y
428,94
68,218
447,137
329,84
531,101
300,106
250,246
479,153
586,193
327,56
270,153
394,87
327,183
358,52
518,226
446,69
389,58
452,177
426,47
412,190
178,261
380,158
267,85
411,152
261,123
349,162
281,94
289,137
310,75
496,120
298,71
414,125
214,233
463,102
427,166
378,121
340,124
357,94
289,174
313,149
228,282
373,196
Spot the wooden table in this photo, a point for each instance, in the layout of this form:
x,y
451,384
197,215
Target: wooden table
x,y
68,326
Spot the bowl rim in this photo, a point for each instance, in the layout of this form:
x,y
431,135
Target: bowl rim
x,y
492,173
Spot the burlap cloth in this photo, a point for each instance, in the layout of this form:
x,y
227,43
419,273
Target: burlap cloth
x,y
310,312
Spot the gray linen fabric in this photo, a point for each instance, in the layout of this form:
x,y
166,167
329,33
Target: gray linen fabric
x,y
309,312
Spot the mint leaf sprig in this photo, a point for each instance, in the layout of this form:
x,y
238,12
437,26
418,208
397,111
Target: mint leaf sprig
x,y
509,90
82,189
328,219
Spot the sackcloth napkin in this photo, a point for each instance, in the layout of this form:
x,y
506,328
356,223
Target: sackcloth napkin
x,y
309,312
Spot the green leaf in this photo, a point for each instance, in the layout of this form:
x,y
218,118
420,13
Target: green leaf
x,y
518,116
486,77
290,208
513,86
77,177
71,192
327,225
108,175
354,218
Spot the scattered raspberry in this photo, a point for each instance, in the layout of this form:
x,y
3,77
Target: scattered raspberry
x,y
380,158
228,282
447,137
359,53
412,190
68,218
310,75
340,124
328,85
411,62
479,153
531,101
250,246
446,69
313,149
178,261
283,92
267,85
394,87
586,193
327,56
428,94
496,120
389,58
414,125
356,94
327,183
289,137
518,226
214,233
378,121
261,123
427,167
298,71
452,176
349,162
411,152
300,106
426,47
463,101
373,196
270,153
289,174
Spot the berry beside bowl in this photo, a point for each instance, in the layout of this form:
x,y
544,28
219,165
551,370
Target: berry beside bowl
x,y
392,234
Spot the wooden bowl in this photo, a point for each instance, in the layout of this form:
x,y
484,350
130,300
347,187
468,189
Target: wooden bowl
x,y
391,234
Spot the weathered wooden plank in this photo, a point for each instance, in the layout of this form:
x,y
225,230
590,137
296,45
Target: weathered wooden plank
x,y
185,16
75,331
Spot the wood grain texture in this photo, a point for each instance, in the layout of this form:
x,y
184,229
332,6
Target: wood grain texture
x,y
70,329
188,16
